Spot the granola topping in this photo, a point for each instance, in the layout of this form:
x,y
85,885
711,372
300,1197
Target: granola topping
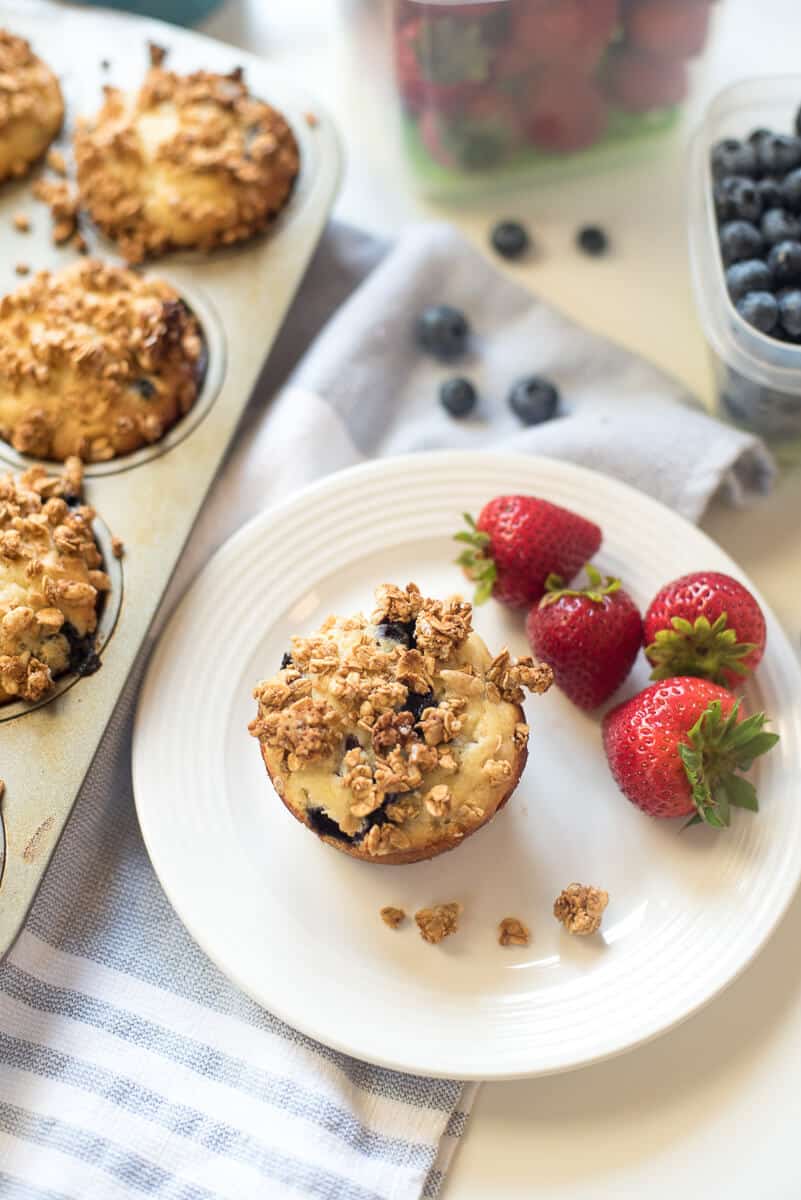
x,y
51,579
580,908
31,107
388,748
189,160
439,922
95,361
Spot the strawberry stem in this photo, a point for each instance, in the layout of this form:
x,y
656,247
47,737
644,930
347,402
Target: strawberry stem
x,y
710,651
717,751
476,563
555,587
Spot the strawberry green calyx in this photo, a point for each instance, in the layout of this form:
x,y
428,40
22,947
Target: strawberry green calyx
x,y
699,648
475,561
598,589
718,748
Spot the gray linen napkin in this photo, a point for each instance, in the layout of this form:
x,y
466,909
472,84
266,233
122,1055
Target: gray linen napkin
x,y
128,1064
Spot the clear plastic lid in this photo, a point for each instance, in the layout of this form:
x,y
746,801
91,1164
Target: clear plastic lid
x,y
770,103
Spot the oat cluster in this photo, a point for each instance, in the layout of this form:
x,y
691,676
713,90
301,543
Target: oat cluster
x,y
390,915
190,160
31,106
512,932
50,578
95,361
580,908
439,922
384,722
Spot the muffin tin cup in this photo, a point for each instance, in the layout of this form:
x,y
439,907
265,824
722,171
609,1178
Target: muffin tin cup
x,y
150,498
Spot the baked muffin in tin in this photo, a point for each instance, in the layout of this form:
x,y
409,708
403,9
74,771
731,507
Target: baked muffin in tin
x,y
187,161
397,737
31,106
51,581
95,361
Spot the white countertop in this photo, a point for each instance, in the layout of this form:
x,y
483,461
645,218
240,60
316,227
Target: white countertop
x,y
711,1109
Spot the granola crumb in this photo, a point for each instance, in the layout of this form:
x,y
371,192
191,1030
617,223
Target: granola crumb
x,y
439,922
581,908
117,546
512,932
56,161
21,222
312,120
22,268
391,916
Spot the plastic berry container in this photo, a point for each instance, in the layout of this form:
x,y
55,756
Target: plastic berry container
x,y
492,89
757,375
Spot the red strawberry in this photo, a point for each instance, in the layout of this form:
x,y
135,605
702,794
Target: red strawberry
x,y
705,624
518,541
416,85
599,19
641,82
590,637
566,111
677,747
483,134
676,27
547,29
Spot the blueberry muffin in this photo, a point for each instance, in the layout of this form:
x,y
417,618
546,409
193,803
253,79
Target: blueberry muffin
x,y
51,581
395,738
189,160
95,361
31,107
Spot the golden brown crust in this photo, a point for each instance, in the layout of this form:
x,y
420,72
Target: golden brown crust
x,y
192,161
31,106
95,361
51,579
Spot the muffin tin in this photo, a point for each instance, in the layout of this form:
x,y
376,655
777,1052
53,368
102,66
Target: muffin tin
x,y
151,497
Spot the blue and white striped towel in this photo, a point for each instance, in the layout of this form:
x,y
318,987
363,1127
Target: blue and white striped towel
x,y
129,1067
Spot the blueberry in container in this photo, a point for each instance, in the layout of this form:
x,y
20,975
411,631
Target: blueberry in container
x,y
754,344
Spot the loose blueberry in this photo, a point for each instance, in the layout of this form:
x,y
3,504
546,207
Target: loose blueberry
x,y
286,660
791,191
753,275
417,704
778,154
784,261
443,331
790,312
758,134
731,157
779,226
510,239
592,240
534,400
739,240
769,191
760,309
397,631
737,199
458,397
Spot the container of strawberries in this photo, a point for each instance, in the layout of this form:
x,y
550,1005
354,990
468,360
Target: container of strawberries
x,y
492,88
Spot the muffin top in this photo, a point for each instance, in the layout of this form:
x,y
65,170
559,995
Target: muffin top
x,y
95,361
31,107
398,735
189,160
50,580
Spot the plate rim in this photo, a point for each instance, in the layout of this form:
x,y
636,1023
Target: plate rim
x,y
514,462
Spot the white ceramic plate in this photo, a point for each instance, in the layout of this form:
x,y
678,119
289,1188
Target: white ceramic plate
x,y
295,924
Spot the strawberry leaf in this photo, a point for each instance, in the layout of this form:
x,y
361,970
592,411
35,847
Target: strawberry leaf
x,y
699,648
742,793
717,749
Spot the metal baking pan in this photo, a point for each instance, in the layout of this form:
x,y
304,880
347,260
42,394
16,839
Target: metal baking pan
x,y
150,498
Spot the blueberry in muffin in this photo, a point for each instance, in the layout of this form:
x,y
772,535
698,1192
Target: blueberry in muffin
x,y
51,582
31,106
95,361
394,738
188,160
